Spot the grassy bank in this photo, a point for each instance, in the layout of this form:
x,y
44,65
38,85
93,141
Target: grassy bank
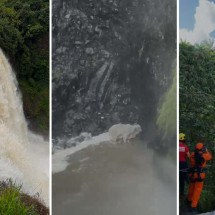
x,y
14,202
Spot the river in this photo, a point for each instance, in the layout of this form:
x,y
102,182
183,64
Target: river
x,y
115,179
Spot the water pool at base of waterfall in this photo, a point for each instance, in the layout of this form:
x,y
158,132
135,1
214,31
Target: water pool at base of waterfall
x,y
110,179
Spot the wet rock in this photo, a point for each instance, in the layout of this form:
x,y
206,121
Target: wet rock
x,y
89,51
111,57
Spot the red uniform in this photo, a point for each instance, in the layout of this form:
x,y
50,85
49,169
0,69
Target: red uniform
x,y
183,150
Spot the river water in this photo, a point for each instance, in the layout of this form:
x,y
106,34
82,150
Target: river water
x,y
115,179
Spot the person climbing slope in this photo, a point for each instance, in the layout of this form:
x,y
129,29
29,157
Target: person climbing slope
x,y
198,162
184,154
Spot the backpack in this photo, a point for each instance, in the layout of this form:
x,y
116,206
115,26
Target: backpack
x,y
199,159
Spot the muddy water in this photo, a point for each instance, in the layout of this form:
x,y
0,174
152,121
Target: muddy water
x,y
115,180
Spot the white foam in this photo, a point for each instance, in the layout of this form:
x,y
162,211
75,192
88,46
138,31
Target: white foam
x,y
119,131
32,171
60,157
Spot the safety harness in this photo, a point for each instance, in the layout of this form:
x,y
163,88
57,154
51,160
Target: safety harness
x,y
197,170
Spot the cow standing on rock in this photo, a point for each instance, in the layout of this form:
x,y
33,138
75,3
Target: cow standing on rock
x,y
124,132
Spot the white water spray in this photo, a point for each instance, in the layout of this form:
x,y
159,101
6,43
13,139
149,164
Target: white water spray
x,y
24,156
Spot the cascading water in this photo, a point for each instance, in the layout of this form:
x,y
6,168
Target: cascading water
x,y
24,156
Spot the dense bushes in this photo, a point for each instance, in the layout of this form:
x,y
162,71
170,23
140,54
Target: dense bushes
x,y
24,36
197,106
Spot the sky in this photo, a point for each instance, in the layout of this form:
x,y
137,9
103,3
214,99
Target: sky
x,y
197,20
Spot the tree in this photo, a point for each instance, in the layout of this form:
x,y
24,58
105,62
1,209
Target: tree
x,y
24,36
197,105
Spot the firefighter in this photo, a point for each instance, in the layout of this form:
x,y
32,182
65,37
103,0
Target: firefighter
x,y
184,154
198,161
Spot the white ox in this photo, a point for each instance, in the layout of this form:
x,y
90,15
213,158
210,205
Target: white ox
x,y
124,132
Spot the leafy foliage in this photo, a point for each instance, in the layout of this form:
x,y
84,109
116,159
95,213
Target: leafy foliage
x,y
167,113
197,105
197,92
24,33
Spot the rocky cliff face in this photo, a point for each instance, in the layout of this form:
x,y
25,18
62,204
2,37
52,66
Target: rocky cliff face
x,y
112,61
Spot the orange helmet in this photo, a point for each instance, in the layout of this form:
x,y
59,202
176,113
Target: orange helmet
x,y
199,146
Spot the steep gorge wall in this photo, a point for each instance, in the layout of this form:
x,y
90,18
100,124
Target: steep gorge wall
x,y
112,62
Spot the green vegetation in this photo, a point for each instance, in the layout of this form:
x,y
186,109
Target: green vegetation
x,y
24,36
13,201
167,113
197,106
166,120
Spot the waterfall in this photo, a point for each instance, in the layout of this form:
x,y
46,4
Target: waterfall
x,y
24,156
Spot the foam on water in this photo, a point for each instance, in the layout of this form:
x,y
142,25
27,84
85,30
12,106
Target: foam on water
x,y
117,132
60,157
